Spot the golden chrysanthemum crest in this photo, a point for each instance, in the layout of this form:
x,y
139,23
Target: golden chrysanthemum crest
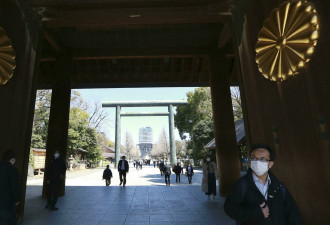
x,y
7,57
287,40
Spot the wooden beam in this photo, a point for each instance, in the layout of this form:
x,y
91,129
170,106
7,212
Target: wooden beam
x,y
118,17
97,54
105,4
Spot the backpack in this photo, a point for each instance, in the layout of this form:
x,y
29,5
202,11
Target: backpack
x,y
244,187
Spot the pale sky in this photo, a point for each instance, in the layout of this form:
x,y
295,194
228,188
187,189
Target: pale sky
x,y
132,124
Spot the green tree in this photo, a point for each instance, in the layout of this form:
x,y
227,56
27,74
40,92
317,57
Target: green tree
x,y
41,117
196,118
199,107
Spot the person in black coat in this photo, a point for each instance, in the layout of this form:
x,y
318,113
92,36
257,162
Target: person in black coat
x,y
161,167
259,197
177,170
123,168
167,172
189,172
107,174
9,189
55,173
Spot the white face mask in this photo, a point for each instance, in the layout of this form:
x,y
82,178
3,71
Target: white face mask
x,y
12,162
56,155
259,168
208,159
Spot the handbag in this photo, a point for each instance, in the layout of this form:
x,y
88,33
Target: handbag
x,y
186,174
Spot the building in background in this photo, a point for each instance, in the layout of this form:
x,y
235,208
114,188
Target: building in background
x,y
145,142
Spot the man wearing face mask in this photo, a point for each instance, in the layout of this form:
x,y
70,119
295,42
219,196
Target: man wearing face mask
x,y
259,197
54,174
9,189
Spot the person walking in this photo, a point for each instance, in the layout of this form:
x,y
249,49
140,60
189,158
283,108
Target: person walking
x,y
9,187
55,173
107,175
167,172
161,167
177,170
259,197
189,172
134,163
209,177
123,168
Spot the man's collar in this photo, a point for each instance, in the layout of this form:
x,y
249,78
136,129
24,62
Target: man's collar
x,y
256,179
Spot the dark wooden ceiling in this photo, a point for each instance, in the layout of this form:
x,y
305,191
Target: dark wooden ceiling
x,y
133,43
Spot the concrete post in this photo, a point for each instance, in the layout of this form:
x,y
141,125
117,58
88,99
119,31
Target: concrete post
x,y
118,135
171,136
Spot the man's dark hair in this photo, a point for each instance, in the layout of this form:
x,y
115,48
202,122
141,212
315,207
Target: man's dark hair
x,y
266,147
8,155
107,166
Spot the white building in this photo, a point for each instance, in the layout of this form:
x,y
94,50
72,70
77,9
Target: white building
x,y
145,141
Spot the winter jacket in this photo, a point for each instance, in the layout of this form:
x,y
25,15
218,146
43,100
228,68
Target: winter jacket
x,y
107,174
55,169
167,169
191,171
243,203
9,188
177,169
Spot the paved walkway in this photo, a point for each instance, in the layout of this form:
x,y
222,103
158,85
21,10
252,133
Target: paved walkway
x,y
145,200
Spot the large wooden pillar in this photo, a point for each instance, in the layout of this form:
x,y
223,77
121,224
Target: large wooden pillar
x,y
224,127
17,96
59,116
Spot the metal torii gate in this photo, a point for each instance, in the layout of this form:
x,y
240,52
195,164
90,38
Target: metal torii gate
x,y
154,103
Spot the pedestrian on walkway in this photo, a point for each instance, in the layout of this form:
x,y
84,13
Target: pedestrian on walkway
x,y
209,177
123,168
134,162
177,170
141,162
107,175
189,172
167,172
154,163
259,197
9,189
161,167
54,174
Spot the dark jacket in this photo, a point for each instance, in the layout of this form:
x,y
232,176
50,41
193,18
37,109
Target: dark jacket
x,y
192,171
107,174
246,209
55,169
9,188
177,169
167,169
126,165
161,166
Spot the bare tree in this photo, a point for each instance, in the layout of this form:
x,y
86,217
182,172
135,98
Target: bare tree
x,y
136,152
237,103
98,116
129,147
163,142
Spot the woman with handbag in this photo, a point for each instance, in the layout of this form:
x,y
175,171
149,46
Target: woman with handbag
x,y
189,172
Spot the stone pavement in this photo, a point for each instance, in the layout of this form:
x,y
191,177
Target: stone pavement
x,y
144,200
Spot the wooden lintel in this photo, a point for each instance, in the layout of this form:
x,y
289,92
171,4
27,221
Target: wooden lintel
x,y
101,54
114,17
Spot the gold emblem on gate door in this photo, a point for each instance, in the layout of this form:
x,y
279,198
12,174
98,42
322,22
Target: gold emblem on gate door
x,y
7,57
287,40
